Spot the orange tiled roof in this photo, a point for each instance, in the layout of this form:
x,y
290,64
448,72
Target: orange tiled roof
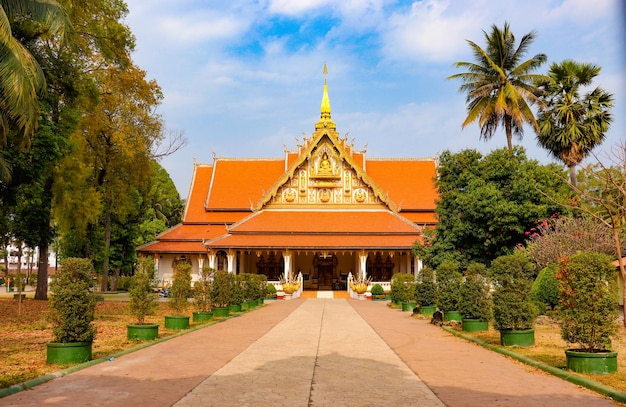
x,y
237,184
324,221
173,247
320,229
409,182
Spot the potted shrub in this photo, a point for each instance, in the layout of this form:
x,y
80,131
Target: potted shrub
x,y
248,282
202,296
448,287
72,308
142,301
426,291
399,288
378,293
179,297
588,311
513,310
237,294
221,293
474,299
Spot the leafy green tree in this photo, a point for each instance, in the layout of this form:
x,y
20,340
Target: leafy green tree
x,y
573,123
22,80
487,204
500,85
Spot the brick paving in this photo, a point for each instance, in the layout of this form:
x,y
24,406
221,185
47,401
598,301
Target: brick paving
x,y
311,352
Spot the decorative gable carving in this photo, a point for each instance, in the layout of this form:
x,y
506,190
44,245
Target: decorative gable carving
x,y
324,178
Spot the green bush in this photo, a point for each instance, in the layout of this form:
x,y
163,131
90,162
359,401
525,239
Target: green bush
x,y
448,285
72,303
261,284
270,291
426,289
378,289
202,290
403,287
588,300
237,290
142,298
512,277
123,283
181,288
545,289
474,297
221,293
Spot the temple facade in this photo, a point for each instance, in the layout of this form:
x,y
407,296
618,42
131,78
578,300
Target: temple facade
x,y
324,209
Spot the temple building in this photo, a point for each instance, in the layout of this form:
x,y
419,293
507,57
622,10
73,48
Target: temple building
x,y
324,209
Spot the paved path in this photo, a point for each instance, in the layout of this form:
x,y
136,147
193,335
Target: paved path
x,y
311,352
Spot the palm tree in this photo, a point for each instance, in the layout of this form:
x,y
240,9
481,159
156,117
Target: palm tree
x,y
573,124
500,88
21,78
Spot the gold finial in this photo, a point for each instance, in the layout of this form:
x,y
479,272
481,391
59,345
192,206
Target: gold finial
x,y
325,120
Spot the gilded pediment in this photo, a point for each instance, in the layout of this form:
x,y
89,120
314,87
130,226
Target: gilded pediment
x,y
325,178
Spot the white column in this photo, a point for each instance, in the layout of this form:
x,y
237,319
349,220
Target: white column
x,y
407,265
213,261
417,263
362,264
200,262
287,262
231,261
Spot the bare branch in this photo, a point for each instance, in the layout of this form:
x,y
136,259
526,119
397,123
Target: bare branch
x,y
174,141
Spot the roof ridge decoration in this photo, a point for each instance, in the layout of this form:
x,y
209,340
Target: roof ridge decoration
x,y
325,174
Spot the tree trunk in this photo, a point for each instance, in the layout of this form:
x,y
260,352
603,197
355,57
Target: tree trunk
x,y
107,245
114,278
509,134
41,292
572,174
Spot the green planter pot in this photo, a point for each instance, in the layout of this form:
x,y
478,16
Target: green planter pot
x,y
176,322
245,306
428,309
379,298
143,332
220,311
474,325
511,337
66,353
452,316
200,317
408,306
603,362
259,301
234,308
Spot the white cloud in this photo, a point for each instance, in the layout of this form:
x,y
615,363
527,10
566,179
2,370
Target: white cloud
x,y
430,30
200,27
299,7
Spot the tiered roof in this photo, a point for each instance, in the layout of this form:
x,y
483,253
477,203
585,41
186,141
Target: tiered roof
x,y
323,196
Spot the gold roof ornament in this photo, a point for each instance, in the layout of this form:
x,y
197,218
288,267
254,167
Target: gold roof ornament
x,y
325,120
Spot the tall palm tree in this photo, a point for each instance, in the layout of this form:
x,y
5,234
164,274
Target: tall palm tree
x,y
500,87
21,78
573,124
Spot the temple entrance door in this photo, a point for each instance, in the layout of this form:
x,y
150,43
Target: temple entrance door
x,y
325,275
326,267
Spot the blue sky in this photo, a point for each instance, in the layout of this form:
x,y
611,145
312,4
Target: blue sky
x,y
243,78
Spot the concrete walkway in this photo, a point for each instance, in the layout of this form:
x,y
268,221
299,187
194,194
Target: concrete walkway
x,y
311,352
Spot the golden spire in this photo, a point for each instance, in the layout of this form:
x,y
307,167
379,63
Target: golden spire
x,y
325,120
